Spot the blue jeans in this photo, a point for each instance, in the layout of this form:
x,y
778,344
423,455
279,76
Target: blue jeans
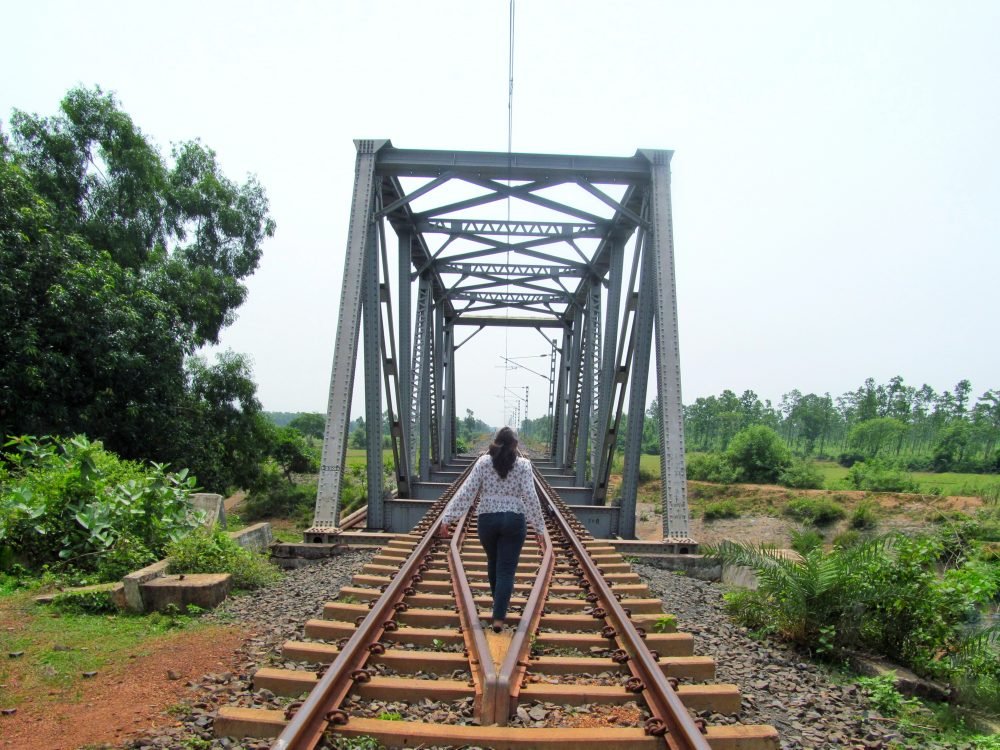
x,y
502,536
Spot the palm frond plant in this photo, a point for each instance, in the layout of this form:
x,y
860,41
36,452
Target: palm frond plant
x,y
977,668
801,596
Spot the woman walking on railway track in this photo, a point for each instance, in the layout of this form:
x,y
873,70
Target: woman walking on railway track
x,y
508,500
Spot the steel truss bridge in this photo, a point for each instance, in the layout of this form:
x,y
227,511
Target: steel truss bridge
x,y
591,268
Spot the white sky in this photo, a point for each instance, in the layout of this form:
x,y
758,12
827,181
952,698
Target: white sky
x,y
836,180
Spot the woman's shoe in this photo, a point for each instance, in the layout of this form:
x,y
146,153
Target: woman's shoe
x,y
497,626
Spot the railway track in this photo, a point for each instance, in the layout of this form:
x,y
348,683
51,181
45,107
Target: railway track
x,y
593,661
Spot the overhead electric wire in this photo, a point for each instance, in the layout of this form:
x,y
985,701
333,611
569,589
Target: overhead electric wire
x,y
510,142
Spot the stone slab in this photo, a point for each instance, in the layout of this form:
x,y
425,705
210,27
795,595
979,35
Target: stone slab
x,y
256,538
205,590
214,507
906,681
696,566
134,581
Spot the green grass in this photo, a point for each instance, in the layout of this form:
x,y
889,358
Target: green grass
x,y
950,483
649,466
359,456
86,643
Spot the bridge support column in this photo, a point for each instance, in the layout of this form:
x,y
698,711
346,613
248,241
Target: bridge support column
x,y
673,474
345,348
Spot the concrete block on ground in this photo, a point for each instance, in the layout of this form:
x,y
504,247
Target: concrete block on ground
x,y
205,590
133,582
906,681
695,566
256,538
214,507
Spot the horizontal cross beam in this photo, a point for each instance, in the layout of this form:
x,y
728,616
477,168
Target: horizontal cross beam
x,y
509,269
515,322
512,228
405,162
509,298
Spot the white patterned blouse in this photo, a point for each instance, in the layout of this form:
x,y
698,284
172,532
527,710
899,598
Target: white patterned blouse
x,y
515,492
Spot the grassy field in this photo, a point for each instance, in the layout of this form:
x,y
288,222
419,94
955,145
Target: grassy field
x,y
946,483
359,456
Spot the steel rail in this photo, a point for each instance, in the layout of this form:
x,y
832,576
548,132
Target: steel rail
x,y
670,717
321,708
483,670
515,662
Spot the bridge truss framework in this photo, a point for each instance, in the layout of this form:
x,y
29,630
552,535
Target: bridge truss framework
x,y
592,270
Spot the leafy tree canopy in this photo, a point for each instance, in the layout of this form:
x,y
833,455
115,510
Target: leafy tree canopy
x,y
759,454
118,266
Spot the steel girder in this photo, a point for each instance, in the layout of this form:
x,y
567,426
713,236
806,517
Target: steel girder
x,y
420,397
643,330
587,399
609,372
373,387
551,268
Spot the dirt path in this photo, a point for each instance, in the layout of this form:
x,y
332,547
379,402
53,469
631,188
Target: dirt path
x,y
117,703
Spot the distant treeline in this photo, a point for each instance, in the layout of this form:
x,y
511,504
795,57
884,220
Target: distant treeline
x,y
923,429
920,427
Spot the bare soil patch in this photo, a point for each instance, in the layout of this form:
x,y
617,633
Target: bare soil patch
x,y
124,700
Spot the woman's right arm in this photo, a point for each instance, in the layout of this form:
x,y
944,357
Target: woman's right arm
x,y
465,495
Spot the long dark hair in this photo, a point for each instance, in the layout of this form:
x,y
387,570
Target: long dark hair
x,y
503,451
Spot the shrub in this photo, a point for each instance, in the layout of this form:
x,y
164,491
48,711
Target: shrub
x,y
759,454
883,694
847,460
801,475
272,496
848,538
125,556
806,540
877,475
863,515
710,467
884,595
68,499
815,510
204,551
85,602
722,509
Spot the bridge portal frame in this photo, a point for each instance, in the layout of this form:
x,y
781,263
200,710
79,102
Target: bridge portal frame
x,y
605,341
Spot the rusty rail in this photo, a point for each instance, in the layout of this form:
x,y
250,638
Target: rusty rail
x,y
515,663
320,709
670,718
484,672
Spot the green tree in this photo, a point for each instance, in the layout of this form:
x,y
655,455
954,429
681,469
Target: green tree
x,y
950,448
359,435
759,454
117,267
292,452
310,424
877,436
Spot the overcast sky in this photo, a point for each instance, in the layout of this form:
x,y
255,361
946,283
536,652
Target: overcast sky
x,y
836,177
